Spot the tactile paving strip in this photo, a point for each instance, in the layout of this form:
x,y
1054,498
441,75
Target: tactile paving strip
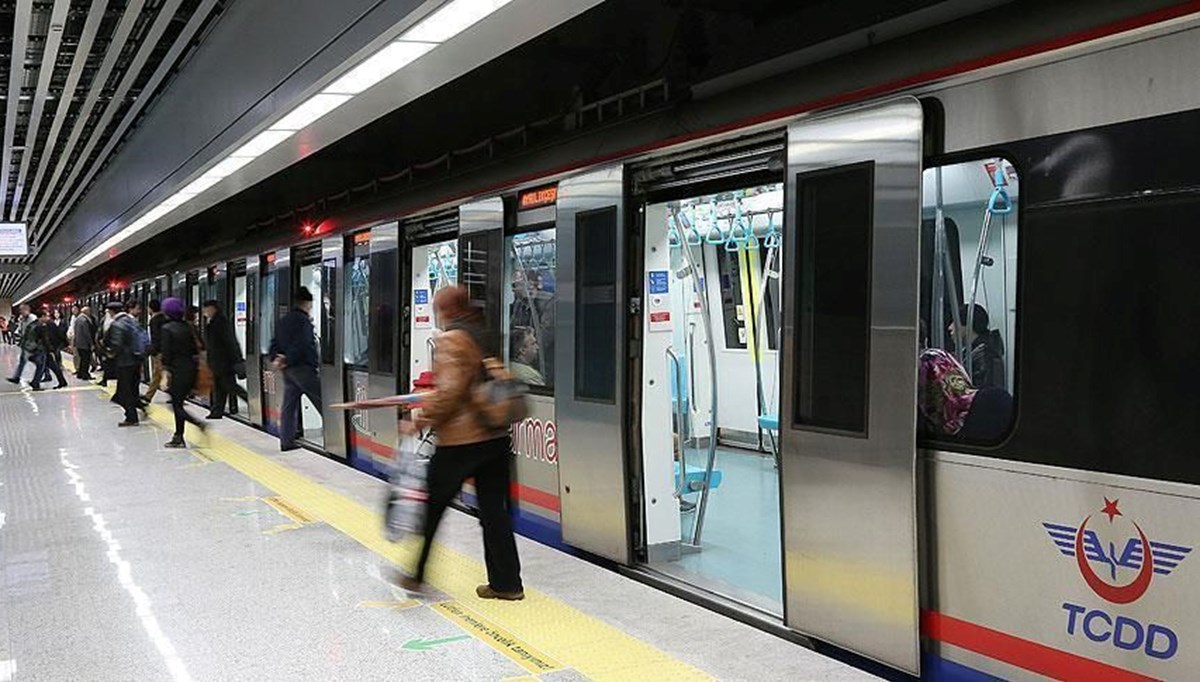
x,y
567,635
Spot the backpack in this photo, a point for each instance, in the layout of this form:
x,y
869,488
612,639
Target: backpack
x,y
499,398
141,342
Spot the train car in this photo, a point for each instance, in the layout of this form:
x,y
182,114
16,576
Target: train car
x,y
909,370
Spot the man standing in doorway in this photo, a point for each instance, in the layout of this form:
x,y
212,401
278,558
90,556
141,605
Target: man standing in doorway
x,y
294,353
84,336
157,319
24,320
123,340
224,355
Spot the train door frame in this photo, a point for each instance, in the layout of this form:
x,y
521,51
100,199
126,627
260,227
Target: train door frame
x,y
849,475
254,362
312,254
277,264
332,370
750,160
420,232
234,269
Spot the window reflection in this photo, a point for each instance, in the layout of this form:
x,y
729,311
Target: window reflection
x,y
357,306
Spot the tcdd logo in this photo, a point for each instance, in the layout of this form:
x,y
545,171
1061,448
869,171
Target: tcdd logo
x,y
1131,561
1144,558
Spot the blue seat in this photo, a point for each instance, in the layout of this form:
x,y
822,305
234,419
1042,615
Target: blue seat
x,y
768,422
695,475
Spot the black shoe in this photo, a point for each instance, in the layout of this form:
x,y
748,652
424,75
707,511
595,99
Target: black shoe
x,y
103,383
175,443
127,423
62,385
288,448
36,388
13,381
214,415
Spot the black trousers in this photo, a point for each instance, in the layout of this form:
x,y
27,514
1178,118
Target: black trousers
x,y
226,390
84,370
490,462
127,391
182,384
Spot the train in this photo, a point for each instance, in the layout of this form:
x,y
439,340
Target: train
x,y
908,370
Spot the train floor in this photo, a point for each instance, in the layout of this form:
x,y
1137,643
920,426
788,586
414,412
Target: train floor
x,y
123,560
739,556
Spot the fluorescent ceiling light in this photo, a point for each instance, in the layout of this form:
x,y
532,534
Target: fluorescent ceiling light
x,y
382,64
199,185
316,107
451,19
227,167
262,143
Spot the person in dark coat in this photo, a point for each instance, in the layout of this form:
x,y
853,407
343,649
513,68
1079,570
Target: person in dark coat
x,y
181,360
224,355
85,333
44,337
293,352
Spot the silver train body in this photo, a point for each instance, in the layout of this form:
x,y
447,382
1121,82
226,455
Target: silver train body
x,y
938,558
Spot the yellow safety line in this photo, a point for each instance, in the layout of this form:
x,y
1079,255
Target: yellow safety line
x,y
585,643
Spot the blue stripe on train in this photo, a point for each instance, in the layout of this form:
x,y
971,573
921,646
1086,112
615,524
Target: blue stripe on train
x,y
942,670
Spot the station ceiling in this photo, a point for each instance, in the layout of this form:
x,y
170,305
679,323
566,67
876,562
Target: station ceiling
x,y
75,76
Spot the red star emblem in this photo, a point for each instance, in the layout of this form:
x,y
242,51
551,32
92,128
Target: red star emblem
x,y
1110,508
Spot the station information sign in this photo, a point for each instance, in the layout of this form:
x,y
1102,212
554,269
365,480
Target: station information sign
x,y
537,198
14,240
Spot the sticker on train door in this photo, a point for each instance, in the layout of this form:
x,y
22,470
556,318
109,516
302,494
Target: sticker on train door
x,y
422,317
658,286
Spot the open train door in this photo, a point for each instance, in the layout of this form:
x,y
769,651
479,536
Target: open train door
x,y
590,390
847,419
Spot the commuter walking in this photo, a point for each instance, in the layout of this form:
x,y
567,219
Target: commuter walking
x,y
466,448
24,320
59,327
181,359
293,353
224,354
44,334
84,331
124,341
108,370
157,320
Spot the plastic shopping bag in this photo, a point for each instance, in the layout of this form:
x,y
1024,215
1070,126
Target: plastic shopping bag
x,y
407,491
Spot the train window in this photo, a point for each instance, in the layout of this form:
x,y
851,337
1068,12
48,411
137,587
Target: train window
x,y
530,299
968,300
596,305
328,310
357,305
384,282
834,297
267,312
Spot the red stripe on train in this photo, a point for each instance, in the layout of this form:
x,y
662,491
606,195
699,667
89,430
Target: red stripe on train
x,y
1023,653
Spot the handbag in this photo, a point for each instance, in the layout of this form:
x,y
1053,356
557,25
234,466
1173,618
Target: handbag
x,y
204,379
500,398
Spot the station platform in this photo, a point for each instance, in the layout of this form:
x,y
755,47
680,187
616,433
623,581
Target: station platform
x,y
123,560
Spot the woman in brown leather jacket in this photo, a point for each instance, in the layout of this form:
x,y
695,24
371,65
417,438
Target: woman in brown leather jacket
x,y
466,448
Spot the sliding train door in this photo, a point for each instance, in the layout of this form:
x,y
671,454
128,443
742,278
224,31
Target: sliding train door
x,y
328,311
370,348
590,356
848,424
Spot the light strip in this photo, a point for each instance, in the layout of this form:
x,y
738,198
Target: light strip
x,y
446,22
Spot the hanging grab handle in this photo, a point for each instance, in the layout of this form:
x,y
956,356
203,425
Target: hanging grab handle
x,y
691,236
772,240
672,233
998,203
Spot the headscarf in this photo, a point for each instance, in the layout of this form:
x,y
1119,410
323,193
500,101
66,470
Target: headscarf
x,y
944,391
173,308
